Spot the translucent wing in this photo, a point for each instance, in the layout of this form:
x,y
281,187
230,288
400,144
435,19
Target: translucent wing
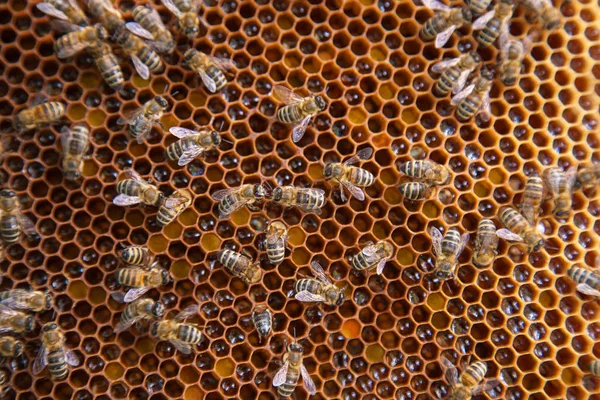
x,y
286,95
319,273
482,21
464,239
370,251
141,68
182,132
138,30
49,9
70,357
484,387
281,375
309,385
508,235
123,325
172,7
12,302
132,174
65,26
186,313
354,190
223,63
65,138
463,94
436,5
451,372
436,238
485,107
26,225
442,38
307,296
444,65
118,297
124,200
160,46
210,84
130,116
299,129
189,155
462,80
71,50
571,176
586,289
175,201
41,360
135,293
381,265
183,347
362,154
220,194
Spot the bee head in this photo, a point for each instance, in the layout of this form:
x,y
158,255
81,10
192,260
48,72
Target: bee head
x,y
166,278
475,56
50,326
7,193
444,270
216,138
158,309
328,170
101,32
71,168
48,301
296,347
320,102
189,54
467,14
277,193
189,25
18,349
161,101
259,191
29,324
340,299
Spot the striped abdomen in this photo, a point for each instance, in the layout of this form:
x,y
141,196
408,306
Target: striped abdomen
x,y
360,262
130,277
166,215
189,334
594,368
359,177
145,17
110,70
183,5
584,276
513,220
130,312
446,82
451,241
488,35
135,255
9,228
263,320
129,187
310,199
79,140
433,26
228,203
291,380
510,72
485,228
310,285
479,6
140,126
57,364
534,191
473,374
413,190
276,251
290,114
216,75
150,58
176,149
469,106
44,113
19,296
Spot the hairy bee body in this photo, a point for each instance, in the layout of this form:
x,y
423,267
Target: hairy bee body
x,y
296,112
72,42
39,115
192,145
447,249
584,276
374,255
150,21
594,367
137,277
469,380
173,206
471,104
75,142
451,76
490,32
182,335
134,46
309,200
206,65
512,62
30,300
16,321
415,190
186,12
106,13
332,295
289,374
276,241
518,225
143,309
137,255
486,243
108,65
240,266
426,171
12,220
10,347
232,199
589,176
442,20
68,8
54,353
479,6
532,198
263,320
561,186
149,194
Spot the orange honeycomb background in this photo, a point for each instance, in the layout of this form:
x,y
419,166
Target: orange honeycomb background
x,y
521,316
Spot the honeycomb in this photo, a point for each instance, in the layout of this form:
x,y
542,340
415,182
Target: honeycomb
x,y
521,315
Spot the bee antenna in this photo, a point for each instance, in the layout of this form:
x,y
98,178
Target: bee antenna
x,y
221,127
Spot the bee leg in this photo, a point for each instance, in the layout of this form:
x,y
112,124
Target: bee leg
x,y
252,207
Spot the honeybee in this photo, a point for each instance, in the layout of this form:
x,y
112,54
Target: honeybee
x,y
181,335
27,300
107,64
106,13
287,377
137,255
191,144
532,198
67,10
134,190
447,249
54,353
561,185
425,171
15,321
518,229
588,281
589,176
475,98
148,25
486,244
455,73
594,367
415,190
140,120
12,219
186,12
374,254
276,241
240,266
445,21
479,6
262,320
140,281
298,111
494,23
545,11
5,144
139,310
145,60
78,38
350,177
469,384
10,347
75,143
174,205
320,289
511,57
233,199
307,199
209,68
40,113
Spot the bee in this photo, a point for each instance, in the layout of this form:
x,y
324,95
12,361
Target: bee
x,y
320,289
350,177
276,239
455,73
425,171
10,347
140,281
137,255
105,12
186,12
139,310
134,190
549,16
191,144
589,176
12,219
511,57
479,6
5,144
75,143
486,244
27,300
373,255
148,25
174,205
532,198
181,335
494,23
298,111
306,199
475,98
54,353
447,249
469,384
561,185
445,21
588,281
594,367
415,190
78,38
4,383
67,10
145,60
41,113
263,321
518,229
140,120
233,199
107,64
240,266
209,68
287,377
15,321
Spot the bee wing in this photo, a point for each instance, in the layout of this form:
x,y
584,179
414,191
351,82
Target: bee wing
x,y
181,132
504,41
223,63
464,239
362,154
462,94
210,84
442,38
286,95
135,293
436,238
482,21
12,303
124,200
444,65
183,347
175,201
484,387
118,297
189,155
450,371
160,47
381,265
49,9
65,138
485,107
319,273
436,5
299,129
172,7
27,225
462,80
220,194
307,296
65,26
571,175
354,190
138,30
41,360
123,325
130,116
71,50
141,68
370,250
70,357
133,174
508,235
186,313
309,385
586,289
281,375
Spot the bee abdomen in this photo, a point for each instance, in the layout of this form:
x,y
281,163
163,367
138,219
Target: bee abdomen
x,y
360,262
447,81
289,114
451,241
288,387
467,107
129,277
9,229
57,364
413,190
584,276
474,374
486,226
512,219
110,71
216,75
166,215
139,127
310,285
414,169
189,334
432,27
183,5
176,149
276,253
128,187
360,177
263,320
150,58
228,202
489,33
311,199
594,368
